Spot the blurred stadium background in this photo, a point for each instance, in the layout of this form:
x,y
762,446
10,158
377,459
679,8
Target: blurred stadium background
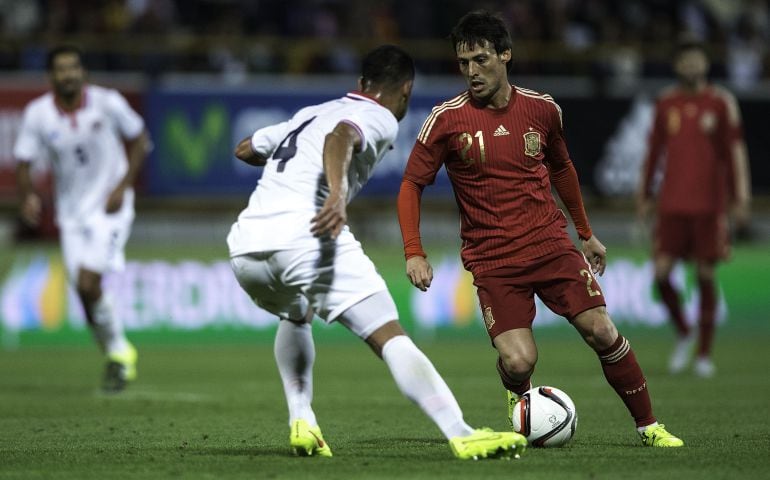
x,y
205,73
208,402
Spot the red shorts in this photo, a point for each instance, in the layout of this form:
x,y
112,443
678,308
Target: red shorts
x,y
562,280
698,237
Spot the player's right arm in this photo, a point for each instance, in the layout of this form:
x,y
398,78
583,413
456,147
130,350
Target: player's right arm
x,y
27,148
418,269
655,145
339,147
30,204
424,162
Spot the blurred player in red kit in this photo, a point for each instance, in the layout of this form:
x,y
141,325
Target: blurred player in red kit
x,y
503,147
697,129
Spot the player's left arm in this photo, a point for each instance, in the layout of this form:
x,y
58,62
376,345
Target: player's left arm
x,y
136,151
739,164
137,143
565,180
339,147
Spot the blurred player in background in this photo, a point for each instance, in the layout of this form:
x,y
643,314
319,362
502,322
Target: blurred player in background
x,y
697,128
503,147
80,129
293,253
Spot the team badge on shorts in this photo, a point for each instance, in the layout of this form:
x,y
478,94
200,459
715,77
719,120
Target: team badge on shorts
x,y
489,320
532,145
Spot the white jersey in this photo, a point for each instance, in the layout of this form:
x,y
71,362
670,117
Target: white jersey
x,y
293,185
84,147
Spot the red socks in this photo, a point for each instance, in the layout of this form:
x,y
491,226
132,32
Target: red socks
x,y
708,307
623,373
670,298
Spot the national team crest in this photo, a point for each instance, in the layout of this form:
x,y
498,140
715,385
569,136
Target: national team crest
x,y
532,145
489,320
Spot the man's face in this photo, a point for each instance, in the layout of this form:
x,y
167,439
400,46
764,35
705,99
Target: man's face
x,y
403,106
483,68
691,66
67,74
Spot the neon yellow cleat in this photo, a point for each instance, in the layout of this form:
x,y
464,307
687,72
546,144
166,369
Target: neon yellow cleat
x,y
307,441
120,369
484,443
658,436
513,399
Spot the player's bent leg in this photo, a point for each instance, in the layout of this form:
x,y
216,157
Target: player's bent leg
x,y
619,365
704,366
120,367
294,352
683,348
515,364
260,275
418,380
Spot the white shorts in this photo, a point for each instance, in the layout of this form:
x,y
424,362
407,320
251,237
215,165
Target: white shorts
x,y
96,243
329,280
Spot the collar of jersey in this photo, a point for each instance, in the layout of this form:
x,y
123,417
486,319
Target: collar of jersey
x,y
356,95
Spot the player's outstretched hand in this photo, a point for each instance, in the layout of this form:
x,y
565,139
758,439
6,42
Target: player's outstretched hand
x,y
420,272
596,253
31,209
331,218
115,200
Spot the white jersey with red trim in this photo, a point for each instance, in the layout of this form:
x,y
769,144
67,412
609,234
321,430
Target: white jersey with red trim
x,y
84,147
293,186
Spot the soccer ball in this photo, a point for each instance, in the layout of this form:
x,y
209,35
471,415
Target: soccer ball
x,y
546,416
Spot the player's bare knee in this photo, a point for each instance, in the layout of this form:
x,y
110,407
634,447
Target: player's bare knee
x,y
518,364
597,328
89,290
383,335
604,334
705,273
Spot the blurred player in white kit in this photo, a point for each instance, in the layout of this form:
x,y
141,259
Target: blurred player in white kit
x,y
95,144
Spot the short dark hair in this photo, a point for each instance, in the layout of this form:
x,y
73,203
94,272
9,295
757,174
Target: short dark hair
x,y
479,27
60,50
688,42
387,66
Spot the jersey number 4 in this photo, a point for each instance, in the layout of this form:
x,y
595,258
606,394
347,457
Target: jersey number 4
x,y
284,153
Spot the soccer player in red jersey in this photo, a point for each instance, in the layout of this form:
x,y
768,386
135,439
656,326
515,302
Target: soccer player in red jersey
x,y
503,147
697,128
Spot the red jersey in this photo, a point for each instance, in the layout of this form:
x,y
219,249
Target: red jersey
x,y
499,161
696,133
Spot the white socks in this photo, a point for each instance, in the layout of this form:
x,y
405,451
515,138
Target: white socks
x,y
414,374
295,353
642,429
419,381
107,328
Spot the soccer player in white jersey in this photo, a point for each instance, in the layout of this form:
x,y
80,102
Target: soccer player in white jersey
x,y
80,129
293,253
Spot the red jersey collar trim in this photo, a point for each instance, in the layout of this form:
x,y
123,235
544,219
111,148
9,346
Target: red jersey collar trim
x,y
511,101
81,105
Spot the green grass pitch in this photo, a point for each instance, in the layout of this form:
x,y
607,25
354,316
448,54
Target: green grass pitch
x,y
217,411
